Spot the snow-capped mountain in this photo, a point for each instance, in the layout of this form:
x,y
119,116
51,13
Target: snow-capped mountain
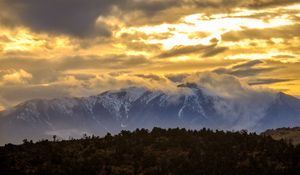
x,y
112,111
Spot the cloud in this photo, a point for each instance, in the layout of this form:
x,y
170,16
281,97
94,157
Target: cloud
x,y
248,64
42,70
15,94
64,64
83,77
3,104
242,105
231,4
78,85
150,76
257,4
268,3
252,71
183,50
48,71
264,81
214,51
104,62
16,77
284,56
219,85
78,17
75,76
177,78
74,17
285,32
204,50
246,69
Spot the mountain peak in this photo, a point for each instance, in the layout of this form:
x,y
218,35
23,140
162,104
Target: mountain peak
x,y
283,96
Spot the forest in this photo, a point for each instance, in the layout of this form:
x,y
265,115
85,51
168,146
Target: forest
x,y
156,151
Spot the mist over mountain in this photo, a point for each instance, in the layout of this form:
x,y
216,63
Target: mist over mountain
x,y
190,105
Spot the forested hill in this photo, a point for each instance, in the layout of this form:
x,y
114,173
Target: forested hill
x,y
288,134
160,151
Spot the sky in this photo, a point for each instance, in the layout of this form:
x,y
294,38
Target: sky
x,y
66,48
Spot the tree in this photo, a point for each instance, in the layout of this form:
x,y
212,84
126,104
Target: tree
x,y
54,138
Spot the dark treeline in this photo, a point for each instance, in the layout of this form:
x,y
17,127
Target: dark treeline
x,y
161,151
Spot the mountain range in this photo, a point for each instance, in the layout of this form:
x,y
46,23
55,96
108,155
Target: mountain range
x,y
190,106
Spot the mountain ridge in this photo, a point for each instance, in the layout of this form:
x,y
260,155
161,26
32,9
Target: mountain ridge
x,y
137,107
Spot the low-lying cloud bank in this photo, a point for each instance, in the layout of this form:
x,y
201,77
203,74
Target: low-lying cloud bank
x,y
242,104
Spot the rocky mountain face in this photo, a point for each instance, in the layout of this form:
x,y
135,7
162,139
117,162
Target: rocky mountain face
x,y
127,109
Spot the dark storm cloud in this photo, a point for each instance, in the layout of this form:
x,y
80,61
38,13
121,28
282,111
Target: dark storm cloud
x,y
267,81
76,17
73,17
205,51
246,69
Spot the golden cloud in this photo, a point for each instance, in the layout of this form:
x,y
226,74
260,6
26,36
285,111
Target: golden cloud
x,y
81,49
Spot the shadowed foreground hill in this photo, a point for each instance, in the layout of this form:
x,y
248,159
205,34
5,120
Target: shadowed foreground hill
x,y
172,151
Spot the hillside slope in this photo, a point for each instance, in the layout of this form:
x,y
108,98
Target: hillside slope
x,y
288,134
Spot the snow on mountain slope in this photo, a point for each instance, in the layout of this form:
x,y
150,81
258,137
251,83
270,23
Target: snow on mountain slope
x,y
134,107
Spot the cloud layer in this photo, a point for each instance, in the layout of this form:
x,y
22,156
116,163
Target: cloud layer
x,y
56,48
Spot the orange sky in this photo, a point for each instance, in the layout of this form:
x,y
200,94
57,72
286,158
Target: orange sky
x,y
77,48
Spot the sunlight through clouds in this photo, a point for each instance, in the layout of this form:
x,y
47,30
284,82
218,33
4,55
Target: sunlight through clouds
x,y
83,46
23,40
215,25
